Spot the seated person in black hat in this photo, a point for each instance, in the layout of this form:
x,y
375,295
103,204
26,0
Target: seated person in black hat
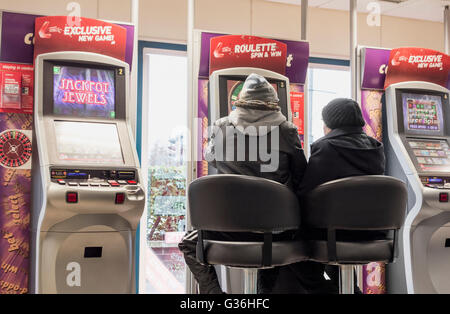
x,y
257,119
344,151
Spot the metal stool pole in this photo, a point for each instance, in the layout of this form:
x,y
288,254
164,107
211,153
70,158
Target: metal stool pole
x,y
346,283
250,280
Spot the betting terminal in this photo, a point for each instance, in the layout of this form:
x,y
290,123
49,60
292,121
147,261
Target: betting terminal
x,y
417,151
88,195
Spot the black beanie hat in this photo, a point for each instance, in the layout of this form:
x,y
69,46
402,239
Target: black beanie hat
x,y
342,112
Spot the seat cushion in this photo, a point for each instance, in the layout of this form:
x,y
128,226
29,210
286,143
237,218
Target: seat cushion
x,y
353,252
249,254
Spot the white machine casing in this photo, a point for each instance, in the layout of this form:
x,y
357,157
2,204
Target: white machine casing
x,y
61,231
422,265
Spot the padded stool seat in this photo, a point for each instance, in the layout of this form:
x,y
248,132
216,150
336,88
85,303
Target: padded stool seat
x,y
354,204
249,254
245,204
355,253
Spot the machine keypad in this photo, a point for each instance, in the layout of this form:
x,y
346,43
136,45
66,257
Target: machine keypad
x,y
110,183
436,182
93,178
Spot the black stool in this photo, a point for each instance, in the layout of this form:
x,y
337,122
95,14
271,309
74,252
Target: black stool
x,y
237,203
365,203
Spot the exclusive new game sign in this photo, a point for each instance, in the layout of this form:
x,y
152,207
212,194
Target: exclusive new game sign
x,y
54,33
417,64
247,51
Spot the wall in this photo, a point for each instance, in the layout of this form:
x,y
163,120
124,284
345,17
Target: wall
x,y
328,30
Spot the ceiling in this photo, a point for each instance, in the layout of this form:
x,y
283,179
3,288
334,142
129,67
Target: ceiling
x,y
431,10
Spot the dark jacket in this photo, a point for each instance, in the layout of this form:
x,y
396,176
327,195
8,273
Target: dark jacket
x,y
291,165
342,153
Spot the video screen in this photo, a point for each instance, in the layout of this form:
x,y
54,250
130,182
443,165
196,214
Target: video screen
x,y
431,155
234,89
422,114
91,143
84,92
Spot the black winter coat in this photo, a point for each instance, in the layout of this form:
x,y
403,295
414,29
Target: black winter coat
x,y
291,158
342,153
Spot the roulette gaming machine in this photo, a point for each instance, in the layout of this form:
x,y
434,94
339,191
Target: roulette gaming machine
x,y
417,118
87,191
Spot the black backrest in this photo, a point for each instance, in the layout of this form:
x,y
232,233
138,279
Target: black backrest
x,y
237,203
357,203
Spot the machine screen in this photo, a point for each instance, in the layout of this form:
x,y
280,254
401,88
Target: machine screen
x,y
83,92
422,114
431,155
92,143
234,89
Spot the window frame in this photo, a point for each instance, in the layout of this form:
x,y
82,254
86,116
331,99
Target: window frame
x,y
142,128
321,63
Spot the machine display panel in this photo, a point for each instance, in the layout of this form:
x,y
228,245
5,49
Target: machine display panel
x,y
422,114
84,92
234,88
91,143
431,155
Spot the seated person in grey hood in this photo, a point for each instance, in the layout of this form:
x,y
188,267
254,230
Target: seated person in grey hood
x,y
344,151
255,140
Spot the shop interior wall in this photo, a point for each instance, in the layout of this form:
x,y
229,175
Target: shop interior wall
x,y
328,30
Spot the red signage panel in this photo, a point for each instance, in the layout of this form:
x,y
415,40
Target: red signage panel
x,y
247,51
57,33
417,64
16,88
297,108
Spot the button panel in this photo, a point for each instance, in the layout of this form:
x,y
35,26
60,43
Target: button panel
x,y
436,182
93,178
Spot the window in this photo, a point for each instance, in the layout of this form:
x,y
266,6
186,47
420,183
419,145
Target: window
x,y
324,85
164,120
